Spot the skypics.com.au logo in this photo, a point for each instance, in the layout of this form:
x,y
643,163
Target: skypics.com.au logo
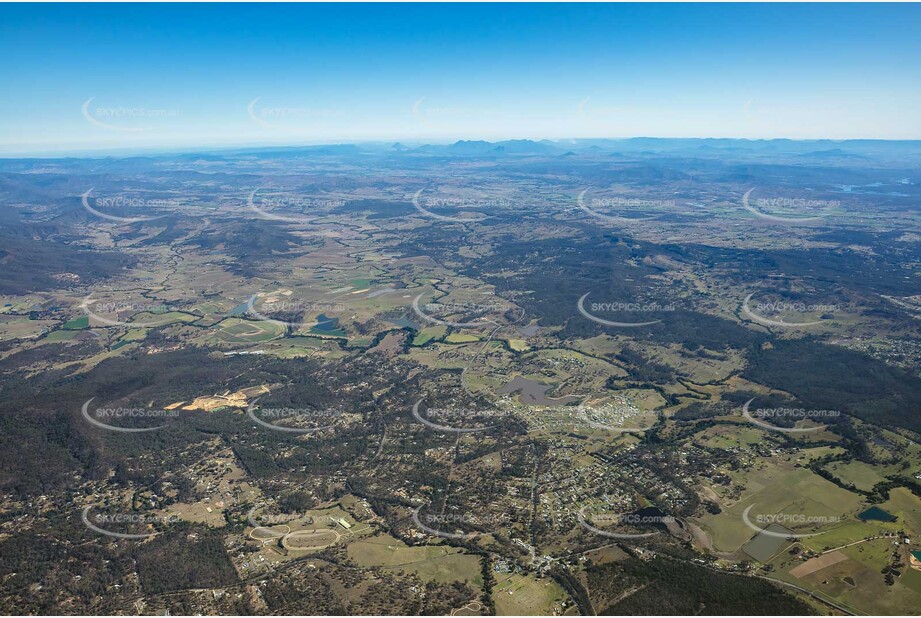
x,y
296,420
133,313
438,524
297,531
614,308
103,417
479,315
122,202
463,208
614,521
755,313
461,419
280,308
787,414
290,208
114,524
124,119
291,118
596,207
781,524
797,207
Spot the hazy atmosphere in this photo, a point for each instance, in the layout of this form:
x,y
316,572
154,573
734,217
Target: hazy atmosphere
x,y
460,310
107,76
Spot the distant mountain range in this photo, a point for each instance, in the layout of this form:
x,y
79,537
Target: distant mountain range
x,y
812,149
816,150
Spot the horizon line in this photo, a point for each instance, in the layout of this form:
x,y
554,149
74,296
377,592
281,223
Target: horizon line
x,y
129,151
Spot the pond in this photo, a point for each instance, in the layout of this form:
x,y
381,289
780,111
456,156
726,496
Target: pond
x,y
534,393
874,513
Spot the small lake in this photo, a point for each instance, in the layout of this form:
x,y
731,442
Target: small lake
x,y
874,513
529,330
326,324
240,309
534,393
405,322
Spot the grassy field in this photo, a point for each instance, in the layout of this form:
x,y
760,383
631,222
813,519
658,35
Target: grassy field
x,y
911,579
519,345
438,563
860,475
77,323
729,436
818,452
848,531
61,335
15,327
857,582
293,347
310,539
461,338
162,319
777,488
525,595
907,507
234,330
135,334
428,334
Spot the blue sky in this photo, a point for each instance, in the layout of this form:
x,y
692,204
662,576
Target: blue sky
x,y
113,76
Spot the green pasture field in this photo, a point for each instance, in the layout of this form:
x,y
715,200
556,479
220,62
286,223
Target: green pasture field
x,y
439,563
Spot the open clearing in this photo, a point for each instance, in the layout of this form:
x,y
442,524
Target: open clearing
x,y
525,595
778,489
430,562
817,564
